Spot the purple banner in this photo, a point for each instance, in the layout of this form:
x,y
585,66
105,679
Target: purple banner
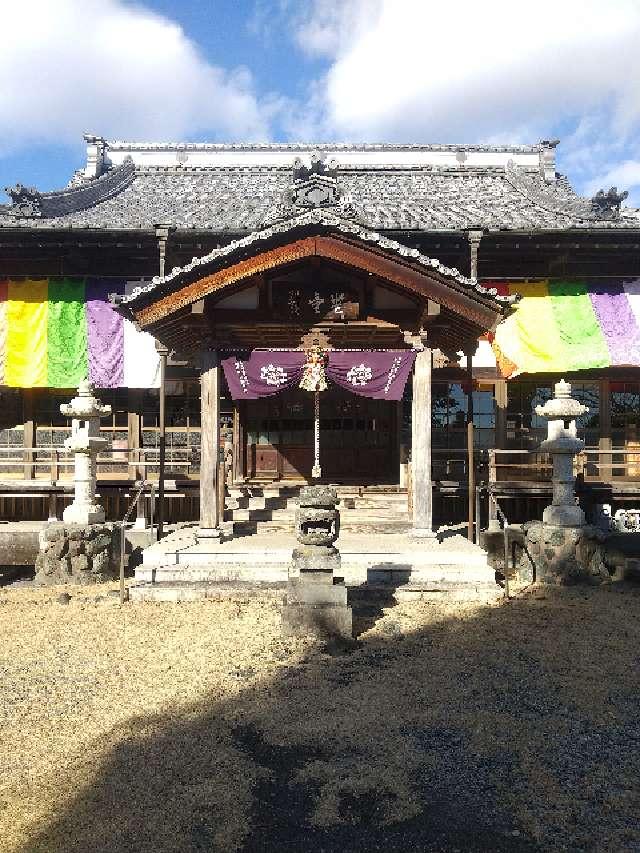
x,y
105,334
263,373
617,322
380,375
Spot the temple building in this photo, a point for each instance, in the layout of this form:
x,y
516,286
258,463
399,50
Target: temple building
x,y
338,313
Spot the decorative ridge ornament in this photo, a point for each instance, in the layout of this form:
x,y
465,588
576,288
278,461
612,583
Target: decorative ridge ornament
x,y
26,201
607,205
314,186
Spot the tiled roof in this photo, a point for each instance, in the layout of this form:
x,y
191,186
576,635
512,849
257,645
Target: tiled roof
x,y
463,194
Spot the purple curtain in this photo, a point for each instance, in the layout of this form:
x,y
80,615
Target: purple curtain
x,y
263,373
105,333
380,375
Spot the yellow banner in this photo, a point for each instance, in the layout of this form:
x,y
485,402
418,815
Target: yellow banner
x,y
26,348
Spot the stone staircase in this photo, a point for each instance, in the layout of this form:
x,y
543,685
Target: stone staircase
x,y
271,509
376,552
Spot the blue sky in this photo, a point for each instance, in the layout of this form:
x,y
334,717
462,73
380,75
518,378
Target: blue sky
x,y
319,70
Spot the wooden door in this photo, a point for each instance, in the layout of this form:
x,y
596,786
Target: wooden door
x,y
357,437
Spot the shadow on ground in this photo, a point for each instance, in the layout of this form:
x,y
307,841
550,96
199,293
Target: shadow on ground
x,y
508,729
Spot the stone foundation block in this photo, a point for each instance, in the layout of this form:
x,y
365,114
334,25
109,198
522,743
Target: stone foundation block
x,y
314,558
319,620
313,592
78,553
563,555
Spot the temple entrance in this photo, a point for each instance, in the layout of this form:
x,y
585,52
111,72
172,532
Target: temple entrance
x,y
358,437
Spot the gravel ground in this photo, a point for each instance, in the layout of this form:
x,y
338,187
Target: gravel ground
x,y
195,727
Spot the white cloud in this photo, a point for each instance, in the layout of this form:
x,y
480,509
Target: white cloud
x,y
417,70
622,175
110,67
329,27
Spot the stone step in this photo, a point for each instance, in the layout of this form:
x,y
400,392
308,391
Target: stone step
x,y
255,562
288,513
266,528
381,502
185,591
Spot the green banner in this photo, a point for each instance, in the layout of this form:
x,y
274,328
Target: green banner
x,y
578,328
67,334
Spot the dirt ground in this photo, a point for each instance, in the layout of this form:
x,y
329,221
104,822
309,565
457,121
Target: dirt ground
x,y
196,727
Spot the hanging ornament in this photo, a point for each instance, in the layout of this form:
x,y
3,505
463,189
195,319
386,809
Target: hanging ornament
x,y
313,376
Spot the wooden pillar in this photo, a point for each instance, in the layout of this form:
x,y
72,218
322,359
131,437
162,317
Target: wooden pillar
x,y
605,457
162,437
500,395
474,238
237,474
421,447
162,234
134,430
397,444
29,433
210,511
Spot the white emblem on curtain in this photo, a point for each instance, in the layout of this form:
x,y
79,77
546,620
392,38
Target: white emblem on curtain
x,y
273,375
359,375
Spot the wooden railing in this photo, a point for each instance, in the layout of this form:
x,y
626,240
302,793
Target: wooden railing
x,y
452,463
55,464
594,464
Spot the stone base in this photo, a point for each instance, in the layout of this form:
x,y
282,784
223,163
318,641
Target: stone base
x,y
314,559
316,591
320,620
563,555
81,554
423,533
563,515
83,515
316,603
208,533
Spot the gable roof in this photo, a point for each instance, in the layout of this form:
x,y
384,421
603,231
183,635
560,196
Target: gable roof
x,y
325,234
234,188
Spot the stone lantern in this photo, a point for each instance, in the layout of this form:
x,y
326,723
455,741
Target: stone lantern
x,y
85,442
563,444
563,548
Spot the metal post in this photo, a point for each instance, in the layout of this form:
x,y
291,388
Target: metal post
x,y
163,351
470,449
506,557
122,547
152,507
139,489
